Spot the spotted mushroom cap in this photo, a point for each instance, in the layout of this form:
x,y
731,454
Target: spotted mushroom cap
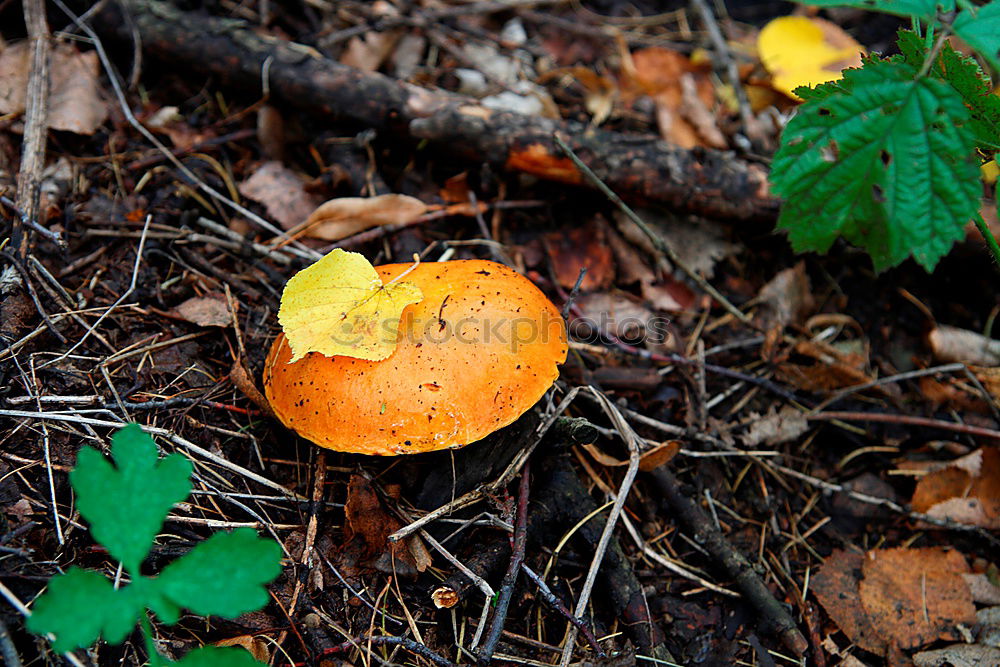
x,y
477,352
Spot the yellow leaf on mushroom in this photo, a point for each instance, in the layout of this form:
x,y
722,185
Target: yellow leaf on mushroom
x,y
339,306
801,51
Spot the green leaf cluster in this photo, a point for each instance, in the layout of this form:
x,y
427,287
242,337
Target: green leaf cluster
x,y
126,504
887,156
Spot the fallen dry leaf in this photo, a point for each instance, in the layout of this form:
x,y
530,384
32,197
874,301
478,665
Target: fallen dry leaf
x,y
889,599
337,219
210,310
786,298
658,72
282,192
615,314
776,427
833,369
579,248
968,491
255,646
983,590
916,596
699,244
836,587
367,527
669,296
75,102
968,347
959,655
805,51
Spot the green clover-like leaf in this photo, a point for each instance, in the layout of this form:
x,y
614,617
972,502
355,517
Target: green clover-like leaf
x,y
80,606
882,158
127,503
223,576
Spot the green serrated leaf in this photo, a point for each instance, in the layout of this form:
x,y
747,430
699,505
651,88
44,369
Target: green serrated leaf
x,y
215,656
971,82
80,606
884,160
224,575
925,9
127,503
981,31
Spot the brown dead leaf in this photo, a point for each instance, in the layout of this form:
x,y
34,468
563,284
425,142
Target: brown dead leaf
x,y
836,588
255,646
832,368
600,92
75,102
632,267
698,243
916,596
968,491
282,192
210,310
959,655
456,189
367,527
367,52
337,219
776,427
658,73
669,296
579,248
968,347
983,590
611,313
787,298
535,159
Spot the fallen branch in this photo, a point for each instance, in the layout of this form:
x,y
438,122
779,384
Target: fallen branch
x,y
707,182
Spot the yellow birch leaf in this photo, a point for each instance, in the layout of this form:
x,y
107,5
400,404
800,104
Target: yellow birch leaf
x,y
801,51
339,306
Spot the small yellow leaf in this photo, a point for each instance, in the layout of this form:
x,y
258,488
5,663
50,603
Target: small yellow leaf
x,y
801,51
339,306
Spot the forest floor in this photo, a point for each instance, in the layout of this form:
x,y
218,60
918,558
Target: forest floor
x,y
809,476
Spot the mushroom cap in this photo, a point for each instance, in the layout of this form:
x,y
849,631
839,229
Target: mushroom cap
x,y
477,352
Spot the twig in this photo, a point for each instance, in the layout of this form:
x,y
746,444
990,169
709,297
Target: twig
x,y
154,430
481,583
654,238
36,123
55,237
510,577
16,603
26,281
118,302
7,649
906,420
558,605
704,532
732,73
632,442
388,640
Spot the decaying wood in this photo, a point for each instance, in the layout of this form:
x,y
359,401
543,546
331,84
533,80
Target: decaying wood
x,y
706,182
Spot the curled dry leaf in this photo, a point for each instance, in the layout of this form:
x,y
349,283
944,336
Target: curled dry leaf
x,y
968,347
75,102
337,219
968,491
256,646
281,191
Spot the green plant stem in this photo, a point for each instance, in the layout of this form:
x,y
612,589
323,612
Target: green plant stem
x,y
932,56
991,241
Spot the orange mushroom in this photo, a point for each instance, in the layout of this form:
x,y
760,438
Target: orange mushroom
x,y
477,352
